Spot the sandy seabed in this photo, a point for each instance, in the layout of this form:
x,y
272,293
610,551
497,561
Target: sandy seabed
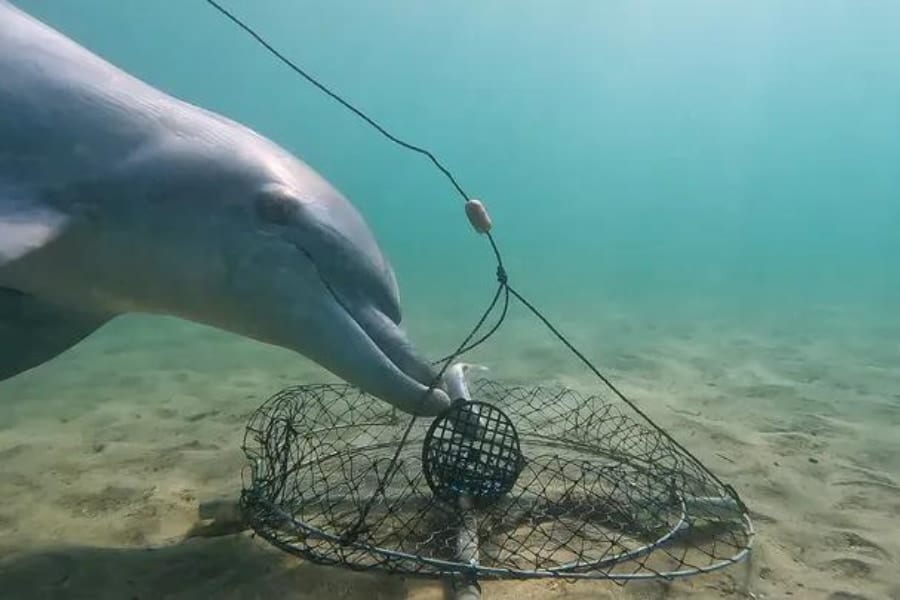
x,y
107,451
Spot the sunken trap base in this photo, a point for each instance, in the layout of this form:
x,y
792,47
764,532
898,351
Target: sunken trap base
x,y
563,485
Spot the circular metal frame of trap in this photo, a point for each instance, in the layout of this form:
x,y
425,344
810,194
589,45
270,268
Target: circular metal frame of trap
x,y
340,478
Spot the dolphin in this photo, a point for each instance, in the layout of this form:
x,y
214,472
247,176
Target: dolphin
x,y
118,198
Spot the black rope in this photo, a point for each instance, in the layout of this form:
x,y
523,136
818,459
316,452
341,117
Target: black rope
x,y
347,105
615,390
501,289
354,530
501,277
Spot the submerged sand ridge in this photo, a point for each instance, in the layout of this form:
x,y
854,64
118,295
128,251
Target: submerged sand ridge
x,y
107,452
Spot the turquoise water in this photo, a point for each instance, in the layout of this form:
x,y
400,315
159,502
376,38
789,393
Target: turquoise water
x,y
654,155
705,182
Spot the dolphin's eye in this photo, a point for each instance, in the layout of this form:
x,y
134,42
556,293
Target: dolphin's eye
x,y
277,206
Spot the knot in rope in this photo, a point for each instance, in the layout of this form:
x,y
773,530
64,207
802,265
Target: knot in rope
x,y
501,275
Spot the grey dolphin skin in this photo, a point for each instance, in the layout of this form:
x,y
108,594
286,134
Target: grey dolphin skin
x,y
118,198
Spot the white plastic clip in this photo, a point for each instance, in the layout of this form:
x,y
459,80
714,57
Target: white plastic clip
x,y
478,216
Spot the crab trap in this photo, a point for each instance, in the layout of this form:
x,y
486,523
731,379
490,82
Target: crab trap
x,y
509,482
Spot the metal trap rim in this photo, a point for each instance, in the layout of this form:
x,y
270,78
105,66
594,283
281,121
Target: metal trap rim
x,y
463,569
255,507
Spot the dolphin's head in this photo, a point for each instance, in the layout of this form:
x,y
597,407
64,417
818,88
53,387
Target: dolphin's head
x,y
159,206
306,273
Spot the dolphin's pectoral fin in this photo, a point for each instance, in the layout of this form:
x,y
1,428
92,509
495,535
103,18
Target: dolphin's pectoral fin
x,y
26,226
33,331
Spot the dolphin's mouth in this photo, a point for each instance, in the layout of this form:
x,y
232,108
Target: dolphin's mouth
x,y
394,344
383,331
381,360
413,381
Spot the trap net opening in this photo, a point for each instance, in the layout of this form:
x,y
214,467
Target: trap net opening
x,y
521,482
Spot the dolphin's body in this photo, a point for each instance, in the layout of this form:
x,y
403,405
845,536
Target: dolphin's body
x,y
118,198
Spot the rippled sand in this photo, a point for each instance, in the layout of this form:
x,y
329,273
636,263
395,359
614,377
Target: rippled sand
x,y
107,451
